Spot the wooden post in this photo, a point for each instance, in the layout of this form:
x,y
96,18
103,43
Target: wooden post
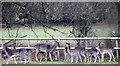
x,y
1,43
28,43
117,49
1,48
86,42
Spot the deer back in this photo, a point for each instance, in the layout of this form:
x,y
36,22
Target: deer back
x,y
42,47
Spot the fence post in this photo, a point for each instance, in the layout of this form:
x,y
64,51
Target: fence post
x,y
117,49
86,42
1,41
28,43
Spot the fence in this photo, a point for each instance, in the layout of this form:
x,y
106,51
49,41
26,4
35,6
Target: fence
x,y
85,38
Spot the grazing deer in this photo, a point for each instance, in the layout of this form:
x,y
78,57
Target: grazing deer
x,y
47,49
72,53
93,52
105,50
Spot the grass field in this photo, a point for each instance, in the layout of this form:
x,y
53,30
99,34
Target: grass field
x,y
39,31
41,34
34,62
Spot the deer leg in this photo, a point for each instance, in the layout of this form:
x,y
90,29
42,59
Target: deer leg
x,y
41,57
36,55
8,60
56,57
21,59
13,57
29,58
113,56
98,58
76,58
102,57
46,56
58,54
65,56
95,59
80,57
110,57
84,57
90,59
50,57
25,60
71,59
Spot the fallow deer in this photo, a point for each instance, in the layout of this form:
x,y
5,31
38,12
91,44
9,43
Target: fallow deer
x,y
106,50
93,52
47,49
66,55
73,52
11,54
82,50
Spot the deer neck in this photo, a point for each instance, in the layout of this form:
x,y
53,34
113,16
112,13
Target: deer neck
x,y
53,48
68,49
5,50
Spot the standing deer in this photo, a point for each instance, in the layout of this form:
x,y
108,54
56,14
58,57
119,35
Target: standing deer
x,y
66,55
11,54
106,50
47,49
82,50
73,52
93,52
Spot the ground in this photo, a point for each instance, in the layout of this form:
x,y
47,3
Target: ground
x,y
34,62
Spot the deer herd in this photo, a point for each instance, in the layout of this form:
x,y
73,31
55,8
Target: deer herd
x,y
47,51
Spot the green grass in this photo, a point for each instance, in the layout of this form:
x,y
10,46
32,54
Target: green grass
x,y
48,62
39,31
0,63
72,63
41,34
